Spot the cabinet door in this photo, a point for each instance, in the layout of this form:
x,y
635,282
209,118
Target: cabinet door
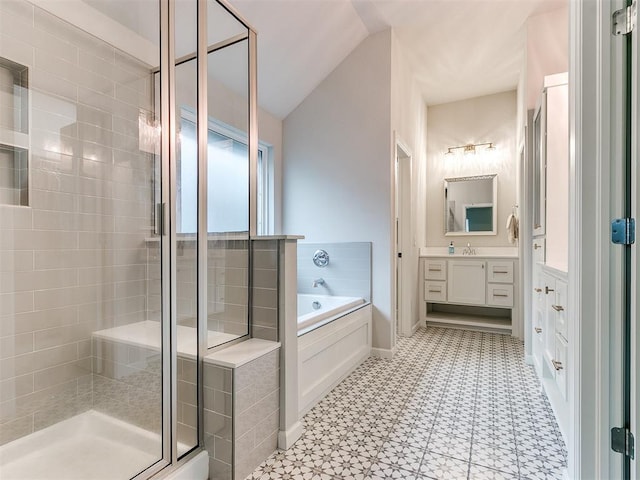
x,y
549,329
467,282
560,366
560,307
538,253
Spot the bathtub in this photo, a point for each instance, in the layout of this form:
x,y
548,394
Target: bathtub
x,y
317,310
333,341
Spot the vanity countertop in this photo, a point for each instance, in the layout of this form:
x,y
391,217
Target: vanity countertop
x,y
481,252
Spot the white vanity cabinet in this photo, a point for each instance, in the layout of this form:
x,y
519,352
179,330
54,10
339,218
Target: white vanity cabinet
x,y
452,286
550,337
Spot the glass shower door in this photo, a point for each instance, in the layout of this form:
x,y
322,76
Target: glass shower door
x,y
81,392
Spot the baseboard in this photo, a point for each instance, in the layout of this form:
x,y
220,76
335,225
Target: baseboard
x,y
415,327
528,359
286,438
383,352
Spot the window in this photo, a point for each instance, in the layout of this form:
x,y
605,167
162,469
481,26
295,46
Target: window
x,y
228,180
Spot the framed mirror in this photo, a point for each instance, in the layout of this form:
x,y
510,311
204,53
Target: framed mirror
x,y
470,205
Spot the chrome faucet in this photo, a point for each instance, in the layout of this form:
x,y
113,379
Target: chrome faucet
x,y
468,250
317,282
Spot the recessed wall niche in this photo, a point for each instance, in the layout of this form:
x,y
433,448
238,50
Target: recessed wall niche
x,y
14,133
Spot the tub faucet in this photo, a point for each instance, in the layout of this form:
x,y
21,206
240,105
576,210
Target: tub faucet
x,y
317,282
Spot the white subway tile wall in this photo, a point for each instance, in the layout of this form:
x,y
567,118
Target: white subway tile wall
x,y
76,260
347,274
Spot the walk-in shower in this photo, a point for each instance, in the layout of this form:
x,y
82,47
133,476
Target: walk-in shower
x,y
126,151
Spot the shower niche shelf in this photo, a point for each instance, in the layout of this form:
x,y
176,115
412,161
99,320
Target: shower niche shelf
x,y
14,133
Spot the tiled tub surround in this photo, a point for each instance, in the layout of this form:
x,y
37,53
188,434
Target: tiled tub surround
x,y
74,261
348,273
451,404
265,300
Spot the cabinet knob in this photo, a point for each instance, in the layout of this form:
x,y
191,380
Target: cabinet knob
x,y
537,290
558,308
538,330
557,365
547,290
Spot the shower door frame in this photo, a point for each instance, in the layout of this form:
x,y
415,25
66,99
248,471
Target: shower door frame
x,y
168,236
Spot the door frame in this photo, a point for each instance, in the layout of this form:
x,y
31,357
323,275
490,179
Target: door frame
x,y
404,282
594,266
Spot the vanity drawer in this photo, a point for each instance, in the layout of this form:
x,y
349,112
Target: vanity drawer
x,y
499,272
435,269
435,291
500,295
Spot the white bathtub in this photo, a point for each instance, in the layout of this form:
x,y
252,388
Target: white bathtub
x,y
317,310
332,342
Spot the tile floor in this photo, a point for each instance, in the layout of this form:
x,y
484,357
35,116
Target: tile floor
x,y
452,404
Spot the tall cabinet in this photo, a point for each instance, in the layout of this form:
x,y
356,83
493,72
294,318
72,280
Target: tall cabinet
x,y
550,342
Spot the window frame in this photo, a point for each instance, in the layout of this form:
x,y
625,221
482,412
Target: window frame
x,y
265,194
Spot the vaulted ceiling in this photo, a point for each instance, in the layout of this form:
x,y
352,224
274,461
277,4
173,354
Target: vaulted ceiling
x,y
458,48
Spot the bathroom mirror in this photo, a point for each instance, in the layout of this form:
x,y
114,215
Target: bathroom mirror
x,y
470,205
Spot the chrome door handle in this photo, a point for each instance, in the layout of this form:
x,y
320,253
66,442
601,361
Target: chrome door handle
x,y
558,308
538,330
557,365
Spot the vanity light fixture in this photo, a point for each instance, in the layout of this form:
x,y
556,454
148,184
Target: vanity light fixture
x,y
471,148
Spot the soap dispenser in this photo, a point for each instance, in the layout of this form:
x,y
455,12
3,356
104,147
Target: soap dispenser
x,y
452,249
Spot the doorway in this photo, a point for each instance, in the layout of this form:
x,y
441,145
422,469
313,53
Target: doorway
x,y
405,323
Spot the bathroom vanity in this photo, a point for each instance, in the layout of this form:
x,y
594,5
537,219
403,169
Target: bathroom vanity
x,y
469,291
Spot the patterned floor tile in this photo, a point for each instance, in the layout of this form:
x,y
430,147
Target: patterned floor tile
x,y
479,472
451,404
435,465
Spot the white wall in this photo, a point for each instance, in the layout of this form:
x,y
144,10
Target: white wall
x,y
336,169
409,121
491,118
547,50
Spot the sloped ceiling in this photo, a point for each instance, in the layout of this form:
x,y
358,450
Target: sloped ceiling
x,y
458,48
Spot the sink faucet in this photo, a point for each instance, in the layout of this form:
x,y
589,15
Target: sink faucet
x,y
317,282
468,250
